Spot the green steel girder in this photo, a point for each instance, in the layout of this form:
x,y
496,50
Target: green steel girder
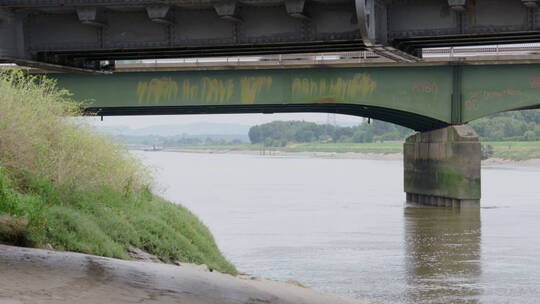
x,y
420,97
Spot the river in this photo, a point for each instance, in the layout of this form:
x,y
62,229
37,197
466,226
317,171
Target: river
x,y
341,226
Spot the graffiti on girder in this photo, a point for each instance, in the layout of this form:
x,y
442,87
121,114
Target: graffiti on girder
x,y
360,84
205,90
251,87
157,89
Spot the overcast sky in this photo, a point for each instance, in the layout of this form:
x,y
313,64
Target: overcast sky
x,y
245,119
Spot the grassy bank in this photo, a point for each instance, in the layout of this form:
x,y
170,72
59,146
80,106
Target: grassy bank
x,y
504,150
63,186
380,148
515,150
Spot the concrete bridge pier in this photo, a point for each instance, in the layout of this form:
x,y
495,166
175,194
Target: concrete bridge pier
x,y
442,167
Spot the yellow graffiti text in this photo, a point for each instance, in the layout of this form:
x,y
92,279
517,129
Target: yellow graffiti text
x,y
360,84
157,89
251,87
189,91
214,90
208,90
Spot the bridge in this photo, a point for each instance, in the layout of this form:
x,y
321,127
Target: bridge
x,y
90,34
442,163
422,97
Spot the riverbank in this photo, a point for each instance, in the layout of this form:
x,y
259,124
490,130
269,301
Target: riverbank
x,y
43,276
108,224
360,148
516,151
525,154
63,186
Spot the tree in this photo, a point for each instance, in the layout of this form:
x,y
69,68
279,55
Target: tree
x,y
530,135
517,125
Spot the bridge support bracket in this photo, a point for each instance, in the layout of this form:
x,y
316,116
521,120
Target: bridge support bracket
x,y
442,167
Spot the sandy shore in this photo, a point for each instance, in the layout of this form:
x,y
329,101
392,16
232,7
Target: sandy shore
x,y
42,276
492,162
346,155
505,162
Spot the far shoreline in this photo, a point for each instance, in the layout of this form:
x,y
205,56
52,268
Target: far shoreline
x,y
490,162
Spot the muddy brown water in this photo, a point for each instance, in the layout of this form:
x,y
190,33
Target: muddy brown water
x,y
341,226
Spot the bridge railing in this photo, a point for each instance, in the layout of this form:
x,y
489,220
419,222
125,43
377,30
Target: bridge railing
x,y
494,52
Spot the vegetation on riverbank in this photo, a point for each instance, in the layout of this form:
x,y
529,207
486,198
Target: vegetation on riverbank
x,y
516,151
63,186
509,126
281,133
510,136
378,148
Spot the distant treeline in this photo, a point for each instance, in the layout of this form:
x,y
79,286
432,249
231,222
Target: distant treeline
x,y
279,133
509,126
182,140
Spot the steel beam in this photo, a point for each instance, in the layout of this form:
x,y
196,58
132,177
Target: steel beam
x,y
419,97
81,33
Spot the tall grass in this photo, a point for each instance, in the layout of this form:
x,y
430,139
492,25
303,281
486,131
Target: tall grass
x,y
37,140
62,184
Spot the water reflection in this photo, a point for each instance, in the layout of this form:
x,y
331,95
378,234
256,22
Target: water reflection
x,y
443,254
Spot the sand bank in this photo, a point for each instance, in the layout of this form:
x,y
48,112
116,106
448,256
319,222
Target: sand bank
x,y
43,276
492,162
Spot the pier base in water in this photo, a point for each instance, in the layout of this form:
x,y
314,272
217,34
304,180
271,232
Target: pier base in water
x,y
442,167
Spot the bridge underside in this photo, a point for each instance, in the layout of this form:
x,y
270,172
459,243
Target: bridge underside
x,y
410,120
83,33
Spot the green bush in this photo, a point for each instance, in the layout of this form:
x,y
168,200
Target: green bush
x,y
63,185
